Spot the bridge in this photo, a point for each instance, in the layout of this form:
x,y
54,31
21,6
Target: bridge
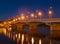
x,y
41,20
20,24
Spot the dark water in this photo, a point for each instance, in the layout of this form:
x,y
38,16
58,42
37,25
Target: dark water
x,y
24,38
18,38
6,40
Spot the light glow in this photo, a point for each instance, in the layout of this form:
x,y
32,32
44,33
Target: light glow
x,y
40,41
39,13
32,40
32,15
50,12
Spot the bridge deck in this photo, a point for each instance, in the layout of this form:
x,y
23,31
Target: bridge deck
x,y
42,20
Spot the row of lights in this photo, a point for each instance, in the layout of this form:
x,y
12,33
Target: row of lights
x,y
32,15
40,13
23,17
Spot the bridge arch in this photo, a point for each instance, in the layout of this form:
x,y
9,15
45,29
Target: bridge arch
x,y
43,29
26,28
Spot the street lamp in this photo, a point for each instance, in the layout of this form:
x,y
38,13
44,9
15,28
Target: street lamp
x,y
22,16
32,15
50,13
40,14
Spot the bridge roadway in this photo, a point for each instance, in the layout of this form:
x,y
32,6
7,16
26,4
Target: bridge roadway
x,y
42,20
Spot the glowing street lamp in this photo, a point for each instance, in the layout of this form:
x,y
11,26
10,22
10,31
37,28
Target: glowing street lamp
x,y
22,17
50,13
40,14
13,20
32,15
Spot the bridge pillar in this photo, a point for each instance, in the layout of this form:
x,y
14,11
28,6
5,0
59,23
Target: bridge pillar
x,y
55,29
33,28
20,27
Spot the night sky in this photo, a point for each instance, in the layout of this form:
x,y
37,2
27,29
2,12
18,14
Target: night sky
x,y
13,8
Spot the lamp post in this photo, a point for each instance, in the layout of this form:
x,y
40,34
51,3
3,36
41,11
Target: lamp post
x,y
32,15
40,14
50,13
22,16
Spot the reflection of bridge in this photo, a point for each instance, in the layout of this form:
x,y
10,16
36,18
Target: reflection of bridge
x,y
18,24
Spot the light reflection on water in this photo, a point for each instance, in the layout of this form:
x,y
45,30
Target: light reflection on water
x,y
22,38
50,42
32,40
40,41
25,39
18,38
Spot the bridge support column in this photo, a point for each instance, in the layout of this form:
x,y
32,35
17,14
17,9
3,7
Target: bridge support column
x,y
20,27
33,28
55,29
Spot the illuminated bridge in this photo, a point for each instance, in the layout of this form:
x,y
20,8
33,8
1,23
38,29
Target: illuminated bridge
x,y
32,24
19,24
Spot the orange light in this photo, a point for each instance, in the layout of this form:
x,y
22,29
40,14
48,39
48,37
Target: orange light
x,y
50,12
4,31
40,41
22,17
16,19
32,14
9,29
9,22
39,13
1,24
22,38
5,22
32,40
13,20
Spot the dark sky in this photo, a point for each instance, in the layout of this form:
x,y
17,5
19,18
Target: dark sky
x,y
12,8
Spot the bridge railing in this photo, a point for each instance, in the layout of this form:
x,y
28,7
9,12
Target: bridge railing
x,y
41,20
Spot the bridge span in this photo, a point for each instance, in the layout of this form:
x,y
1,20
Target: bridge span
x,y
42,20
53,23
